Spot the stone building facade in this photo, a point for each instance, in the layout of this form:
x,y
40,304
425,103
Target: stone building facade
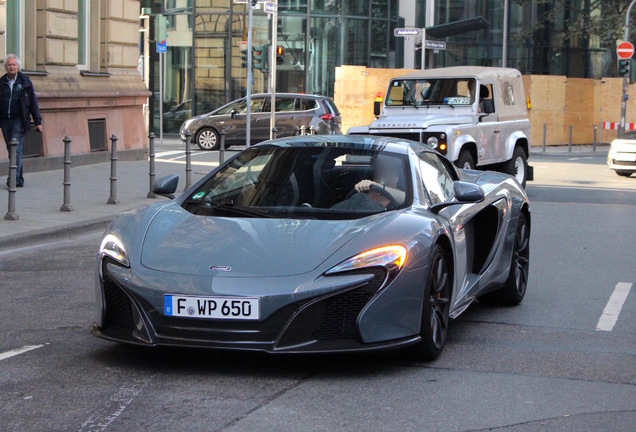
x,y
83,57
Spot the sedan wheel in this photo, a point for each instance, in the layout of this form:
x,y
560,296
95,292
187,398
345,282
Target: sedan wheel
x,y
436,306
207,139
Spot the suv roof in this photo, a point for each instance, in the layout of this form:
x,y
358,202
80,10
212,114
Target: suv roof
x,y
465,71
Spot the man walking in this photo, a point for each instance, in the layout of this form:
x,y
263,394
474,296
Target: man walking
x,y
17,105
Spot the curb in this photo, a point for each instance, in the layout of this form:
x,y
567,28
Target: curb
x,y
60,233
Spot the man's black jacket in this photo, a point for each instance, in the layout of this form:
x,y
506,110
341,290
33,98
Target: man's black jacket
x,y
19,103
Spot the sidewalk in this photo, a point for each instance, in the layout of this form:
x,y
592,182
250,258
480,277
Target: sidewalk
x,y
38,202
601,150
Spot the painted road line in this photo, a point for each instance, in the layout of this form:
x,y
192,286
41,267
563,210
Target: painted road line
x,y
193,163
18,351
115,405
613,308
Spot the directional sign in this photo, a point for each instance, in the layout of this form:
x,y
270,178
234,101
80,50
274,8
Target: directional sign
x,y
625,50
402,32
436,45
162,46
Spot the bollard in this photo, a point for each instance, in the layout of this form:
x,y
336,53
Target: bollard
x,y
570,141
274,132
188,155
594,141
297,131
113,170
600,133
13,169
545,126
66,206
302,130
151,158
222,146
312,131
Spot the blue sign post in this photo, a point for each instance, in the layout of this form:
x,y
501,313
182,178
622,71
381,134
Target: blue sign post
x,y
162,47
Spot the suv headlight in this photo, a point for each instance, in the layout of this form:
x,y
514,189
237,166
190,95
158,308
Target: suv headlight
x,y
113,247
391,257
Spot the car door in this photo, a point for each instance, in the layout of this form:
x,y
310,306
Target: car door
x,y
489,145
236,121
286,117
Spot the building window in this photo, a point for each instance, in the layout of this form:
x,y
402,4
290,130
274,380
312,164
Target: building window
x,y
83,35
15,28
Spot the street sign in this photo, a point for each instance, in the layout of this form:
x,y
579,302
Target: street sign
x,y
435,45
402,32
270,7
162,46
625,50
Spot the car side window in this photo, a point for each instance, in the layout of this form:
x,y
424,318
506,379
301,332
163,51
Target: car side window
x,y
285,104
306,104
437,180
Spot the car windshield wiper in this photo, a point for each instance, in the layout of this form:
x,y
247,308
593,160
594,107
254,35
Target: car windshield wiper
x,y
228,206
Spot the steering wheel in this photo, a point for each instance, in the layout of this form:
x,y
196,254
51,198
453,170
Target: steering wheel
x,y
392,203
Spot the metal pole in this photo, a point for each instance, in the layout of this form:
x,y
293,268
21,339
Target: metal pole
x,y
248,137
272,69
594,142
13,169
188,155
504,53
66,206
423,49
545,126
222,147
151,158
274,132
621,129
570,140
160,98
600,133
113,170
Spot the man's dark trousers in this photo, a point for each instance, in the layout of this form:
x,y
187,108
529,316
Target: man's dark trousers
x,y
12,128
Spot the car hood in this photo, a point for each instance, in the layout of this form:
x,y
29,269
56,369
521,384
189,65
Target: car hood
x,y
179,242
419,120
624,145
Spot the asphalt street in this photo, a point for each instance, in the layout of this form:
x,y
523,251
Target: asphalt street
x,y
562,360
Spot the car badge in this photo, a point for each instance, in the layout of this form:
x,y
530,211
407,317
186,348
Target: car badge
x,y
221,268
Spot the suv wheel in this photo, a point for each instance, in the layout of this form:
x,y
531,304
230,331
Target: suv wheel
x,y
207,139
465,160
623,173
518,166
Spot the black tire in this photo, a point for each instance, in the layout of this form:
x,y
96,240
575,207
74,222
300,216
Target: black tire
x,y
623,173
514,290
435,308
207,139
518,166
465,160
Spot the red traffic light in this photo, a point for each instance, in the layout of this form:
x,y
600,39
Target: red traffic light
x,y
280,54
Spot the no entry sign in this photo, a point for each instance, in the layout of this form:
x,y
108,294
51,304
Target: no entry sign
x,y
625,50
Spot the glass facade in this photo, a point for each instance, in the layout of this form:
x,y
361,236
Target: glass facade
x,y
207,40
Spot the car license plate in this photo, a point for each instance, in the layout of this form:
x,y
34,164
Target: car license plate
x,y
211,307
626,157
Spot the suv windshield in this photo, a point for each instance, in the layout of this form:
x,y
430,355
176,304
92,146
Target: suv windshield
x,y
432,91
327,182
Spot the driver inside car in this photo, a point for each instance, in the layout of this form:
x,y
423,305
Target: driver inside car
x,y
382,191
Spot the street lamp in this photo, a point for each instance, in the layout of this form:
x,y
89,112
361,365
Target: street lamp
x,y
621,129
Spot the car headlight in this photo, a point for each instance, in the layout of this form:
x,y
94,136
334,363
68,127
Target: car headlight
x,y
432,141
392,257
113,247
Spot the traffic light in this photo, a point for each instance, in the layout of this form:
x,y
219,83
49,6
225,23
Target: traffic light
x,y
244,58
260,57
280,54
623,67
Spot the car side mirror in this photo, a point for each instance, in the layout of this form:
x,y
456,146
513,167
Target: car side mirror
x,y
464,193
377,108
166,186
233,113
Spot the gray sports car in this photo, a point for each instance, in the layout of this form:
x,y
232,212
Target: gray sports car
x,y
315,244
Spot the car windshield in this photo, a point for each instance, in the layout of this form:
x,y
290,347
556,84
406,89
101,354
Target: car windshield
x,y
432,91
315,182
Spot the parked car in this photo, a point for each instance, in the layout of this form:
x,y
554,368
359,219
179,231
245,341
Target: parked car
x,y
319,243
622,154
292,111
